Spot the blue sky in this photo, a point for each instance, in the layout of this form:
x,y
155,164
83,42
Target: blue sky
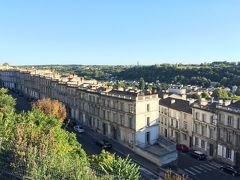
x,y
119,31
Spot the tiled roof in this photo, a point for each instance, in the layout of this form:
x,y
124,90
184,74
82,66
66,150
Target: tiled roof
x,y
179,104
235,105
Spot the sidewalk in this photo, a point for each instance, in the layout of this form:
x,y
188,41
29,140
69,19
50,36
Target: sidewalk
x,y
124,151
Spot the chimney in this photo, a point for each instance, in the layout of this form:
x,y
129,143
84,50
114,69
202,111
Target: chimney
x,y
172,101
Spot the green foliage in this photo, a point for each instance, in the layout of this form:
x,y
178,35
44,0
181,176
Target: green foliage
x,y
205,94
37,147
110,164
220,93
169,175
141,83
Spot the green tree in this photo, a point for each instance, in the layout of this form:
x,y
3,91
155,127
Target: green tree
x,y
220,93
110,164
205,94
141,83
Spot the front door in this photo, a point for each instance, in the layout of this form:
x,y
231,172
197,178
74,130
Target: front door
x,y
211,149
238,159
165,133
147,137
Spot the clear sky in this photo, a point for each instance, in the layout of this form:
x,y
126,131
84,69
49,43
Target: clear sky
x,y
119,31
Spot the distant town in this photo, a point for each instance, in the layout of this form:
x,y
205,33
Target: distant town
x,y
183,117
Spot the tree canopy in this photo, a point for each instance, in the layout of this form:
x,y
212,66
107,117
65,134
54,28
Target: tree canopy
x,y
51,107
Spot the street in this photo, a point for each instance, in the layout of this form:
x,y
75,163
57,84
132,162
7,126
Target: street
x,y
201,170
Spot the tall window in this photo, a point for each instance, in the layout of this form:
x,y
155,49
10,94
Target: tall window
x,y
238,140
197,115
230,119
196,141
211,133
176,124
130,123
148,121
203,130
185,125
196,128
121,106
228,153
238,123
121,119
203,117
202,144
148,107
229,137
220,118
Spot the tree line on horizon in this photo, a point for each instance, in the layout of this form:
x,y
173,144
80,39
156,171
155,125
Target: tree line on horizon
x,y
226,74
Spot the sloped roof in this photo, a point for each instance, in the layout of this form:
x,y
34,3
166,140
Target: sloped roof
x,y
179,104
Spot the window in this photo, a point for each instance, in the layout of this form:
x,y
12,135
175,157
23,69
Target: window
x,y
171,132
130,123
203,130
211,120
171,122
148,121
203,117
184,137
220,133
130,108
229,137
114,117
185,125
203,144
211,133
121,106
165,121
197,115
228,153
221,118
121,119
148,107
238,140
104,114
229,122
196,141
238,123
176,124
196,128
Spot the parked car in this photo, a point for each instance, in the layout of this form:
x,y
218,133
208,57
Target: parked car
x,y
230,170
198,155
79,129
104,144
182,148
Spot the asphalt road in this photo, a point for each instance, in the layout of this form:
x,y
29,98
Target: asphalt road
x,y
202,170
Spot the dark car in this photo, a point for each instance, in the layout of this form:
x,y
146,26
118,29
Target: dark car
x,y
198,155
230,170
182,148
104,144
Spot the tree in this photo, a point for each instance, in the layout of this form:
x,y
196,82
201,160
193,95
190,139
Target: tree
x,y
205,94
110,164
51,107
220,93
169,175
141,83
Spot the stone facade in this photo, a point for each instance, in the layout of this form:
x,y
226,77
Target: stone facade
x,y
129,117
